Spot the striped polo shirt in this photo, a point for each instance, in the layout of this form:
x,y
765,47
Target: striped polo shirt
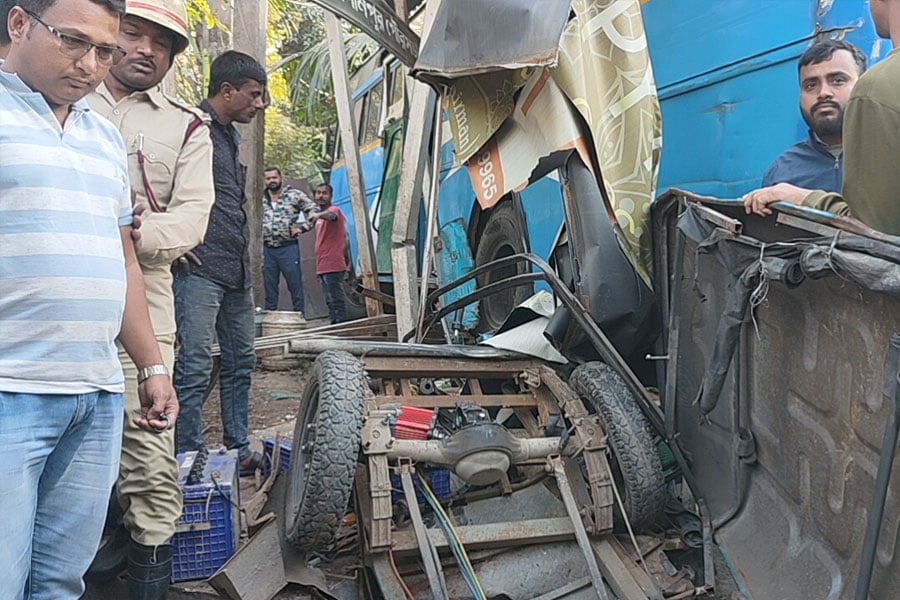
x,y
63,197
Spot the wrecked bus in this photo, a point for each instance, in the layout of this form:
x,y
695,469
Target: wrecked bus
x,y
725,76
773,366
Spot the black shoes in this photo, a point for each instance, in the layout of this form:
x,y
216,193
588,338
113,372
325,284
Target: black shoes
x,y
149,571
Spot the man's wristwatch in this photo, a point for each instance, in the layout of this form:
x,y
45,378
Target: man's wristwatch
x,y
148,372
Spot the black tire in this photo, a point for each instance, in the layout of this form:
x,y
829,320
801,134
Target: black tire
x,y
325,451
637,469
354,302
503,235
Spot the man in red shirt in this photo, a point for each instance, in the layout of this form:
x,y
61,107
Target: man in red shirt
x,y
331,233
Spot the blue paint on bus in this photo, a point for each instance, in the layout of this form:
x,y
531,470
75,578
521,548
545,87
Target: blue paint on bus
x,y
726,73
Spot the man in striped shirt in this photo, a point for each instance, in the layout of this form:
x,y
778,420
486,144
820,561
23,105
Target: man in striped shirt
x,y
69,285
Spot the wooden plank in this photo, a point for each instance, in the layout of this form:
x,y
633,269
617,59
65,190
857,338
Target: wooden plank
x,y
493,535
409,194
382,509
450,401
256,571
347,126
431,217
404,366
619,575
572,586
404,232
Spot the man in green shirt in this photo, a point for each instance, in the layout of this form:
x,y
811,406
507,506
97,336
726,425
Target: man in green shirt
x,y
871,190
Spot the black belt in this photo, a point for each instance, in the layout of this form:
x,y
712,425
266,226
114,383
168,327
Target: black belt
x,y
280,245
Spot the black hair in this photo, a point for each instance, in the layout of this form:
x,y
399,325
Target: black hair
x,y
276,169
825,49
235,68
5,7
39,6
326,186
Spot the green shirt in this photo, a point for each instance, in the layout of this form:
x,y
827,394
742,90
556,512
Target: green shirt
x,y
871,190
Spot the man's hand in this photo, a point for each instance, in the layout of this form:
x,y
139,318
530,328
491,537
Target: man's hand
x,y
758,201
295,231
159,404
136,224
187,262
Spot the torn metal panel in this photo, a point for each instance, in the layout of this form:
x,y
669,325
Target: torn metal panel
x,y
543,122
478,106
471,37
753,265
505,124
528,338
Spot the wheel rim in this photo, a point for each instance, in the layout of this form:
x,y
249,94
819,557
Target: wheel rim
x,y
301,455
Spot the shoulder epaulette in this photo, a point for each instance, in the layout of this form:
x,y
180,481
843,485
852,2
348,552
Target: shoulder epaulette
x,y
193,111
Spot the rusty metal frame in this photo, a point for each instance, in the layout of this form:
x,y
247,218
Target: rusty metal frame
x,y
541,396
598,517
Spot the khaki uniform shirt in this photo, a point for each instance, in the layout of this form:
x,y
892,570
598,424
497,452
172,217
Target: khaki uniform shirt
x,y
178,171
871,191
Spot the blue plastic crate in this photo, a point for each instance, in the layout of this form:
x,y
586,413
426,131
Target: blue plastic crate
x,y
439,481
268,447
210,525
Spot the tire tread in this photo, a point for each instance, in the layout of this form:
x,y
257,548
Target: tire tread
x,y
329,478
631,441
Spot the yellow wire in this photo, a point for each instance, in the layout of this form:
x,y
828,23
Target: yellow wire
x,y
454,533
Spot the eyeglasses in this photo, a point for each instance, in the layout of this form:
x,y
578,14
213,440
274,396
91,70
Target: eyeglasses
x,y
76,47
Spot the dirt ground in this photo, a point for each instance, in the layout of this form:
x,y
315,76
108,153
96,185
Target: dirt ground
x,y
274,399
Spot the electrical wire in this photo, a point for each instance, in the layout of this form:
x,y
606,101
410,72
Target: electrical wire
x,y
455,543
465,569
406,590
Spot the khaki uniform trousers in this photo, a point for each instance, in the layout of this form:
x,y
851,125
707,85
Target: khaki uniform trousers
x,y
147,487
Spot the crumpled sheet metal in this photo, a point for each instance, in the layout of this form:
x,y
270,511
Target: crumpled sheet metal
x,y
605,78
471,37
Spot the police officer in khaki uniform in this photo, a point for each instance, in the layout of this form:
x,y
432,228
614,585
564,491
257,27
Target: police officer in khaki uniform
x,y
170,166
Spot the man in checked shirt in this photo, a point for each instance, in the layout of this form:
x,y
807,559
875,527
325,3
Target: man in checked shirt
x,y
284,218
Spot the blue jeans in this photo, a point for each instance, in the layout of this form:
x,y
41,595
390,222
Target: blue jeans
x,y
284,260
60,458
204,309
333,287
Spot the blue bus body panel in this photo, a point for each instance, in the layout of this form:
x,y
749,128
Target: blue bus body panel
x,y
727,79
454,261
456,198
372,162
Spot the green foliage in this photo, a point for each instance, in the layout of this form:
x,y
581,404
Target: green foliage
x,y
296,149
199,11
306,65
302,106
